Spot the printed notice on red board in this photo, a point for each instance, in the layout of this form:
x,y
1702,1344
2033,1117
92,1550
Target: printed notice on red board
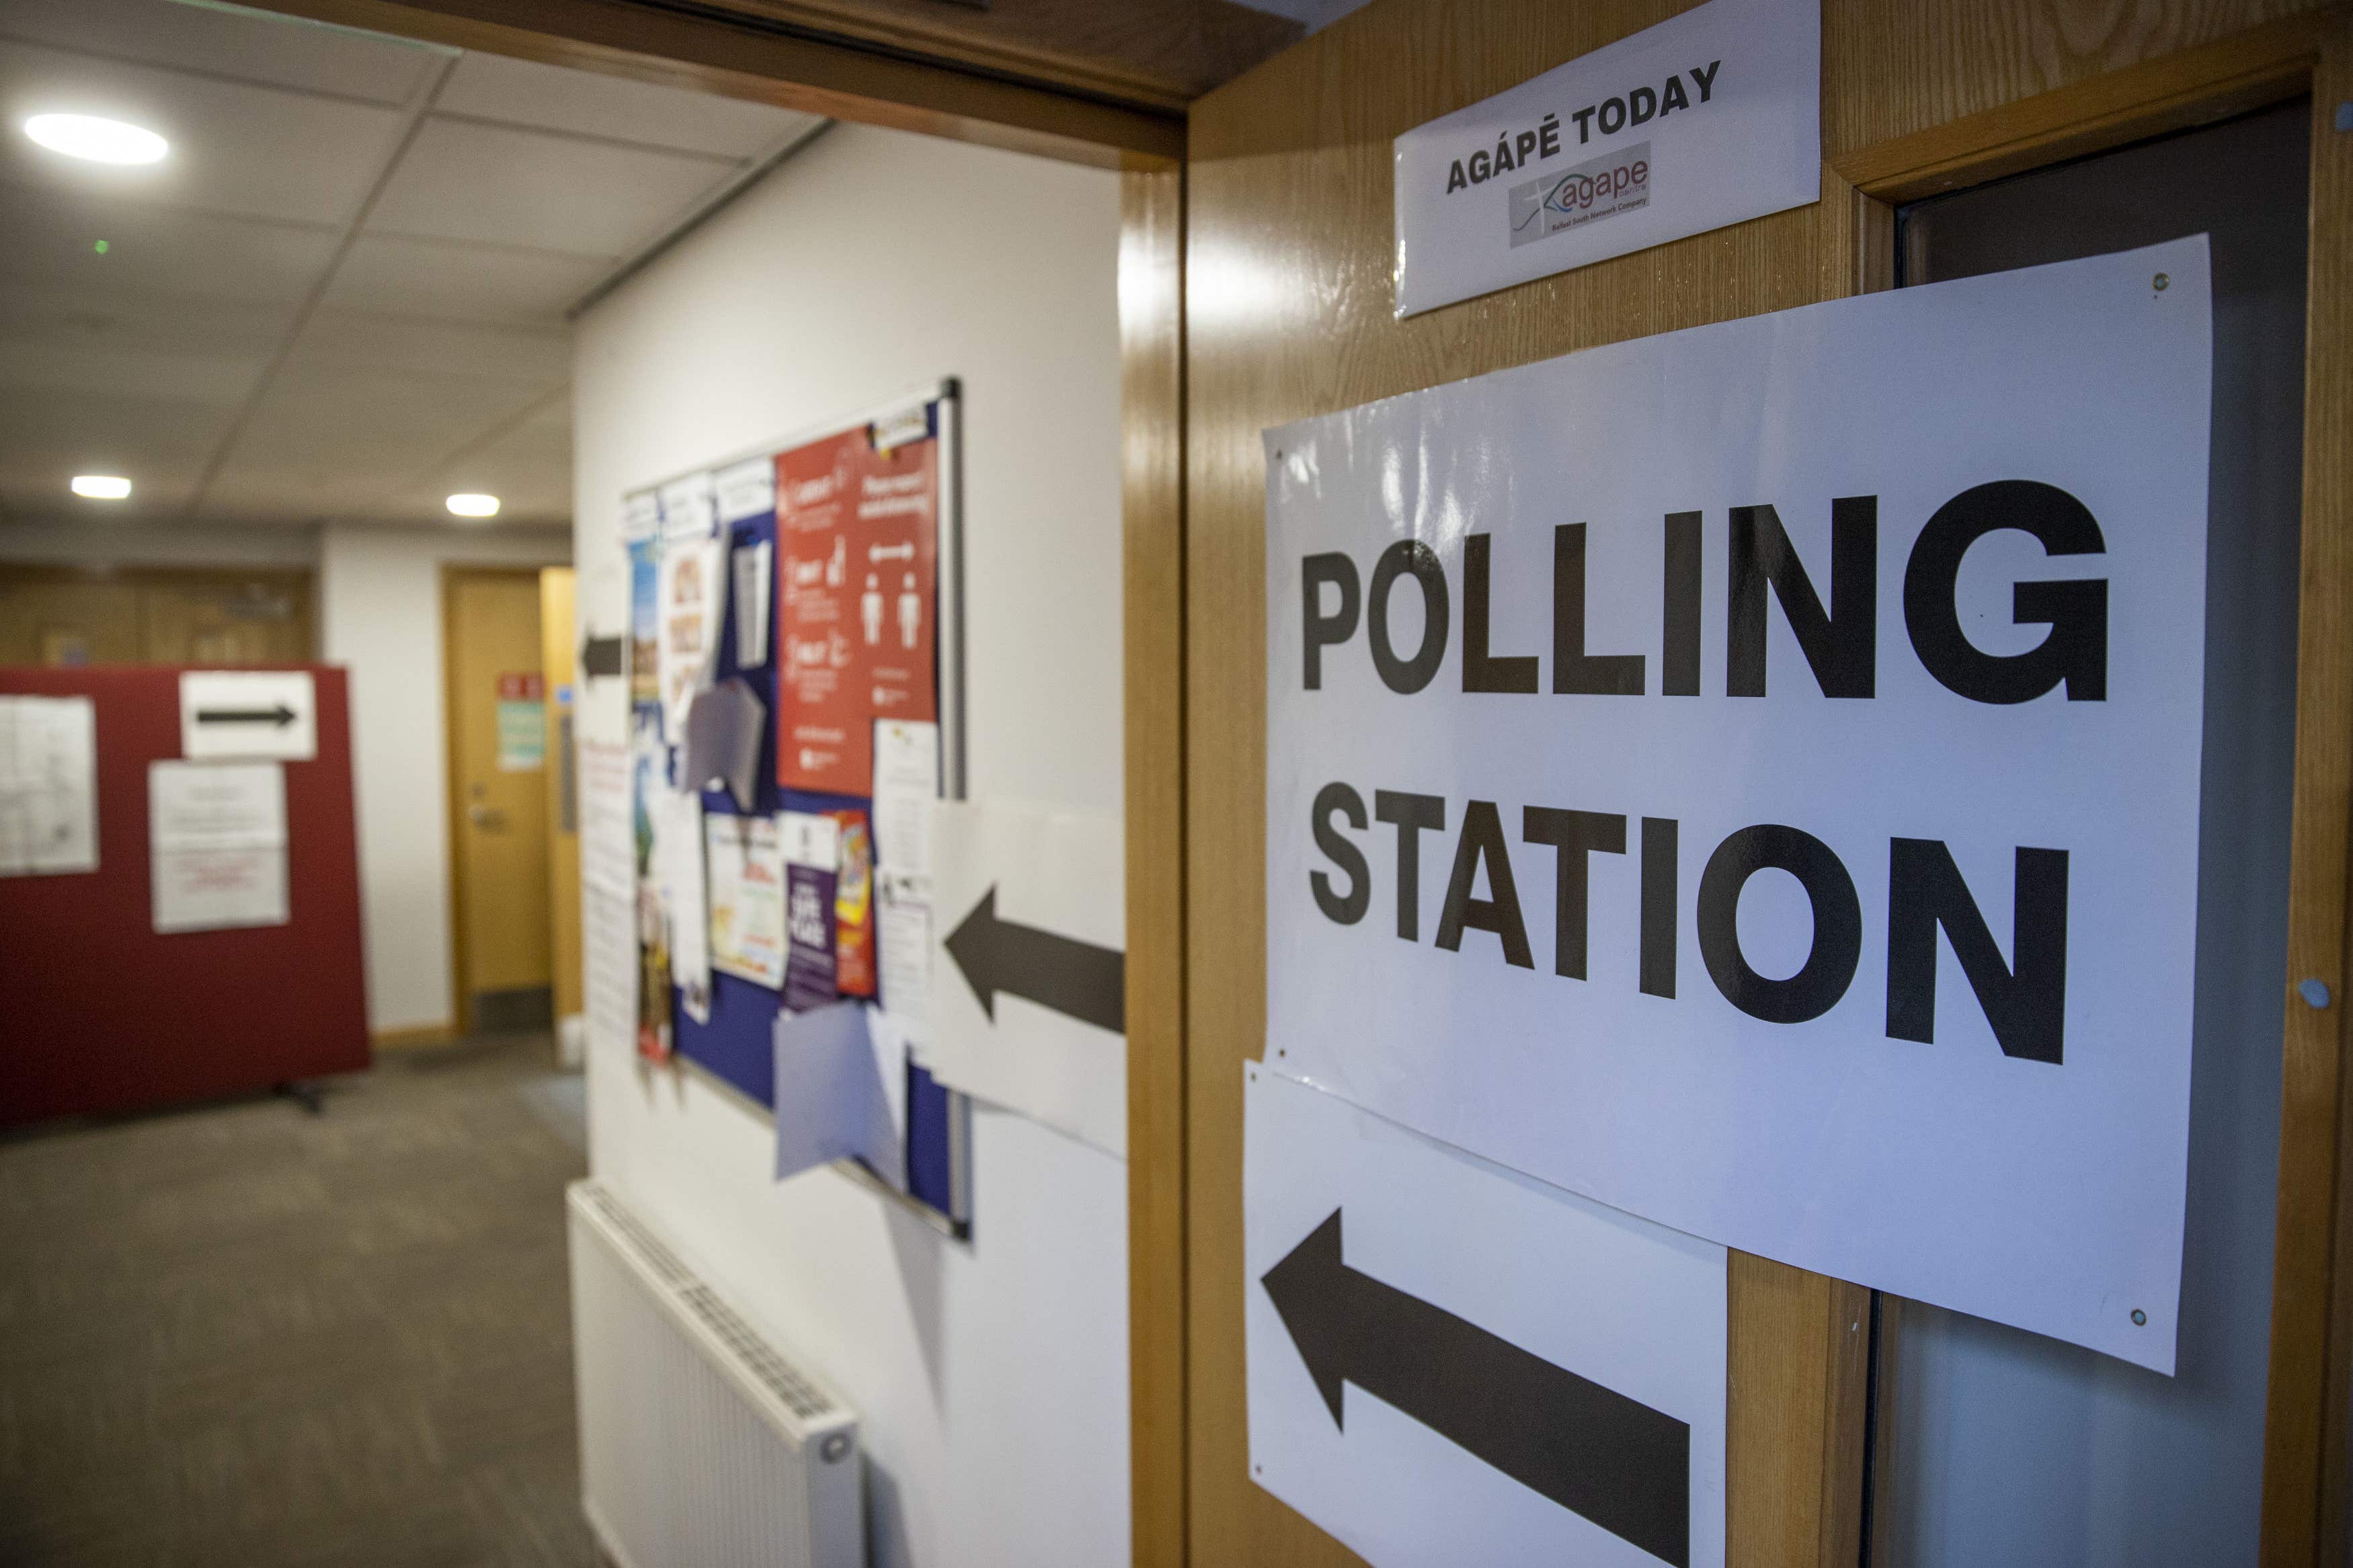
x,y
856,535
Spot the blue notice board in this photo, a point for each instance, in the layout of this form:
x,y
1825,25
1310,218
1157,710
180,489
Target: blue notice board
x,y
737,1045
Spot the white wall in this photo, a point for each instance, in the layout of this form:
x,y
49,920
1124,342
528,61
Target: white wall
x,y
991,1378
380,615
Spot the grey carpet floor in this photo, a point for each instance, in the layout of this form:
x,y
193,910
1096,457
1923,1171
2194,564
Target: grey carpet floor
x,y
246,1335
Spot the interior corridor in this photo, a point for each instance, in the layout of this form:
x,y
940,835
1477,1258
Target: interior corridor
x,y
244,1334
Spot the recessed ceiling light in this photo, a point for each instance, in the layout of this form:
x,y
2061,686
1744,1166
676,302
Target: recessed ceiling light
x,y
473,505
100,140
101,486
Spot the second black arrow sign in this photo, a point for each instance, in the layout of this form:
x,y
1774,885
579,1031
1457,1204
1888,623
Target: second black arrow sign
x,y
1611,1459
1073,977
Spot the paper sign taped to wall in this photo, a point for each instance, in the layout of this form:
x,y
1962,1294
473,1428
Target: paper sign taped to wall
x,y
1450,1362
1711,118
1709,775
249,713
217,836
1027,1005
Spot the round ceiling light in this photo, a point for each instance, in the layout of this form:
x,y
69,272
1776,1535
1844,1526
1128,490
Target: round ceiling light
x,y
101,486
473,505
96,138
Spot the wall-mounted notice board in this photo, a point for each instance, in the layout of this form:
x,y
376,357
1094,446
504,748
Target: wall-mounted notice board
x,y
850,616
99,1012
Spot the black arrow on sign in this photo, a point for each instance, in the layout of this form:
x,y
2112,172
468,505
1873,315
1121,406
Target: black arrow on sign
x,y
280,715
600,657
1076,978
1597,1452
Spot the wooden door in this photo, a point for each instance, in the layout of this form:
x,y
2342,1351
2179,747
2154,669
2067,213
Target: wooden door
x,y
498,817
558,662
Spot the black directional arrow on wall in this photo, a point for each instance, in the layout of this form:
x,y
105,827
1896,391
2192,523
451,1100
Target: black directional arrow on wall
x,y
1614,1460
279,715
1074,978
600,657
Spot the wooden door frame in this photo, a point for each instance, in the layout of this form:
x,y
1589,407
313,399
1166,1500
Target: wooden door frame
x,y
453,791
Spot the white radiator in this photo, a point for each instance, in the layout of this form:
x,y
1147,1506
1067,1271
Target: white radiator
x,y
701,1445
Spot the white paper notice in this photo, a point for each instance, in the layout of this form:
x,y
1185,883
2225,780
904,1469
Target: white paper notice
x,y
49,785
249,713
681,849
609,939
693,598
755,581
1449,1362
216,833
1853,925
608,836
902,932
906,784
1710,118
745,862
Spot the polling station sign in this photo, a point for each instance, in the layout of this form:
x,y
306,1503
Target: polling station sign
x,y
1710,118
1749,776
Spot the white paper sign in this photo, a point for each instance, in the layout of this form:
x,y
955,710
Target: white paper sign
x,y
249,713
217,836
745,861
902,933
906,784
49,785
1027,1000
678,832
1784,825
692,600
1449,1362
1710,118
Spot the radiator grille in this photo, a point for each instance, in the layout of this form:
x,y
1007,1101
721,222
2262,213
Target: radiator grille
x,y
702,1444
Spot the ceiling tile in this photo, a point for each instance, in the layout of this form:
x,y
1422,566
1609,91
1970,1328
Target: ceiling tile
x,y
153,250
462,282
499,185
332,441
280,51
40,314
540,355
553,98
252,151
528,467
161,443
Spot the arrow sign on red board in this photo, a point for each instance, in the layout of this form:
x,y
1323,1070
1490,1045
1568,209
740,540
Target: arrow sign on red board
x,y
1614,1460
1074,978
280,715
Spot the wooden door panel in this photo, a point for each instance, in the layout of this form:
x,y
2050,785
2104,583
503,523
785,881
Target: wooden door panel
x,y
1290,315
499,821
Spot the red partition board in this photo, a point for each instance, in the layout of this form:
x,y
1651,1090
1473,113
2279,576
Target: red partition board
x,y
99,1013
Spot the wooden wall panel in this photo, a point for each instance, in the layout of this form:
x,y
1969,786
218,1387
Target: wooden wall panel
x,y
1288,314
1892,68
702,50
2305,1460
1152,392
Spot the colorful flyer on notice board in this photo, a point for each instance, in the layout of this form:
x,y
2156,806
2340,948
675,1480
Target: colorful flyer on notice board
x,y
812,853
745,863
857,532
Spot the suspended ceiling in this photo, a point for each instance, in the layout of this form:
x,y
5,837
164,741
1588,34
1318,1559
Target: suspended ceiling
x,y
342,296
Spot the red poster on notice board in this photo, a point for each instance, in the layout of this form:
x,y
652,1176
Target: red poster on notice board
x,y
856,538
